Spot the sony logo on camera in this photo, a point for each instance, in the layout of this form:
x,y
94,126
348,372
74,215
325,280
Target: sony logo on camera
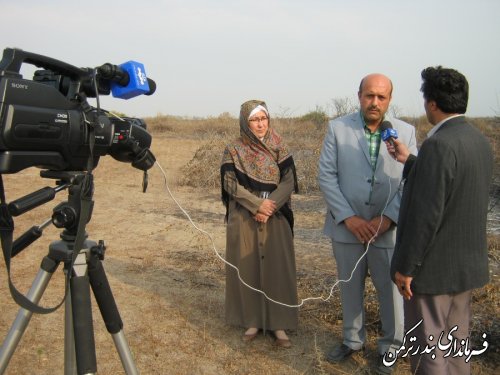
x,y
19,86
48,123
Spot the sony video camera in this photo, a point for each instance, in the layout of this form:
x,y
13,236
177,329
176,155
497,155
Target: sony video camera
x,y
47,122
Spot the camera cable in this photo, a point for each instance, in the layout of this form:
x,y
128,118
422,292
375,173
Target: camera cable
x,y
320,298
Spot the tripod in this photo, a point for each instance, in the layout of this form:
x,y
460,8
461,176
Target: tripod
x,y
85,271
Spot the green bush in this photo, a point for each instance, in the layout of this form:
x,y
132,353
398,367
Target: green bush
x,y
318,117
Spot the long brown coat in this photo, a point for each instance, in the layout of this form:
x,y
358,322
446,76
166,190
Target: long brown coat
x,y
265,257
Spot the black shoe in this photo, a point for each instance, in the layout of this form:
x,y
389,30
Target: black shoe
x,y
382,369
339,353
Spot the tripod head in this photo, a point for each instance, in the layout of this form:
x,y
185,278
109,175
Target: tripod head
x,y
65,214
82,264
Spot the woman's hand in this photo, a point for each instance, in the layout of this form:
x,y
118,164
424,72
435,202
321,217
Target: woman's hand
x,y
261,218
267,207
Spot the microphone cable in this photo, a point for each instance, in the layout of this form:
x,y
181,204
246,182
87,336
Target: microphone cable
x,y
238,271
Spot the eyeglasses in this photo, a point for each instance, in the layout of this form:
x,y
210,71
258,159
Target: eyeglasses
x,y
258,119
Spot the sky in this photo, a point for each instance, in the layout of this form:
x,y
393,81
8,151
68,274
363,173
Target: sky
x,y
207,57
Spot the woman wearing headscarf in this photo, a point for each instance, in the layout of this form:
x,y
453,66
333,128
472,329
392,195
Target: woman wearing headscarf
x,y
257,179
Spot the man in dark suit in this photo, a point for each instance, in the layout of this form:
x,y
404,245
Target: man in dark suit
x,y
441,250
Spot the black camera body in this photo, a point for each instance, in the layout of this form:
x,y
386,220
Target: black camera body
x,y
47,122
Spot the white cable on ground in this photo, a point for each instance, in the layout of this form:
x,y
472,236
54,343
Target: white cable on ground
x,y
238,271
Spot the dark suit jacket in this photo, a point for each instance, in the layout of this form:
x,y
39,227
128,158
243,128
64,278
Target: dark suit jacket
x,y
441,235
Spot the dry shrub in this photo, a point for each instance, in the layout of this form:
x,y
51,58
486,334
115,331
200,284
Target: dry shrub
x,y
303,138
306,163
422,127
494,247
193,127
490,127
159,124
203,170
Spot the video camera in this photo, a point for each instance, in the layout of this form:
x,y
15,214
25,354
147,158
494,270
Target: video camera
x,y
48,123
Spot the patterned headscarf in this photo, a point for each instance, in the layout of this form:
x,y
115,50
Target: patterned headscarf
x,y
258,164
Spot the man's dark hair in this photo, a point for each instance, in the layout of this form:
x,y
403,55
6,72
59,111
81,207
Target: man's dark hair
x,y
447,87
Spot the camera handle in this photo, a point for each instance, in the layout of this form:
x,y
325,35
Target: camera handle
x,y
13,58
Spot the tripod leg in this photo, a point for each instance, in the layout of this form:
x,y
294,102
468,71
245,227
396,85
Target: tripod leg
x,y
86,362
109,312
124,353
23,317
69,337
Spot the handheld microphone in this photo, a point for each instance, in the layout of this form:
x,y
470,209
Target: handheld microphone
x,y
387,132
127,80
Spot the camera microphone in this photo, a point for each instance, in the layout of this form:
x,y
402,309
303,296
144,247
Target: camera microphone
x,y
387,132
127,80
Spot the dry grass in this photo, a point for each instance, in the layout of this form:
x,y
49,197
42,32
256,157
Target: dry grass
x,y
305,140
303,137
168,283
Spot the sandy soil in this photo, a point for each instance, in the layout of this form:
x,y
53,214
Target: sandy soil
x,y
168,282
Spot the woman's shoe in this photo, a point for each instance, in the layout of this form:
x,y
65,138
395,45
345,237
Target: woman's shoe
x,y
283,343
282,339
250,334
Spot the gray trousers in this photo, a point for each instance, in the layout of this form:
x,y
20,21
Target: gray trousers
x,y
378,262
440,313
